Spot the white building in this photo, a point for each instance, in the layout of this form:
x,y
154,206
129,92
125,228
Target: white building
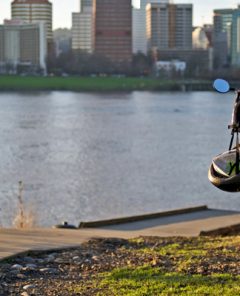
x,y
139,25
169,66
34,11
23,46
200,40
82,27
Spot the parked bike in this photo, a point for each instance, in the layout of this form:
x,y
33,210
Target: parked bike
x,y
224,172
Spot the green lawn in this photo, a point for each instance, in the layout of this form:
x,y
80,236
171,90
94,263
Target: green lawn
x,y
196,266
18,83
151,282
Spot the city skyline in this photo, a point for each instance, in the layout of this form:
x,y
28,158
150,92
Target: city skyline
x,y
202,13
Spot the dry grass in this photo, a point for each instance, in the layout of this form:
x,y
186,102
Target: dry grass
x,y
25,217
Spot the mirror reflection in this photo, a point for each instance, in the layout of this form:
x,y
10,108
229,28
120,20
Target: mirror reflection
x,y
221,85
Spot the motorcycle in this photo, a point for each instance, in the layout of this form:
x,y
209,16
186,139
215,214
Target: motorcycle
x,y
224,171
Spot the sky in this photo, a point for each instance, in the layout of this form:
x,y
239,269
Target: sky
x,y
62,9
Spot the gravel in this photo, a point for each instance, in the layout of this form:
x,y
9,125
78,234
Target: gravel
x,y
54,273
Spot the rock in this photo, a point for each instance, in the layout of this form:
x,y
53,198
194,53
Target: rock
x,y
95,258
50,258
24,294
65,225
17,266
31,266
14,272
28,269
53,254
48,270
21,276
28,260
28,287
44,269
59,260
7,265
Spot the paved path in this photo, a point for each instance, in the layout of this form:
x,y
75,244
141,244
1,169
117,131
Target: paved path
x,y
13,241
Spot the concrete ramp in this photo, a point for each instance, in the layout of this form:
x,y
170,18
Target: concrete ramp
x,y
185,222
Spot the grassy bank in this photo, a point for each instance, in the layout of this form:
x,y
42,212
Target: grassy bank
x,y
86,84
198,266
147,266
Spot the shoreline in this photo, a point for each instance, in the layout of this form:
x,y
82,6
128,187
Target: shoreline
x,y
142,265
191,222
88,261
99,84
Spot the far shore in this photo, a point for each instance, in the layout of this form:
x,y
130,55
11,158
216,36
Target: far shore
x,y
99,84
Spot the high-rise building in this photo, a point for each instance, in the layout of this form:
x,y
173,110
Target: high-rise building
x,y
200,38
139,25
222,38
33,11
208,29
63,40
82,27
113,29
235,42
23,46
169,26
85,4
222,19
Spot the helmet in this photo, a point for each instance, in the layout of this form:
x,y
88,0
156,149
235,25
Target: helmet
x,y
222,172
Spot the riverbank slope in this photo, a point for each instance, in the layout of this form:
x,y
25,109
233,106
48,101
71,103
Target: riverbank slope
x,y
143,266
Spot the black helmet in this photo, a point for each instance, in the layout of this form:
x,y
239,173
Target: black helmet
x,y
229,184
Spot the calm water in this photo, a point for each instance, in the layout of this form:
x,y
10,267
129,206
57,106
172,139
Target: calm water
x,y
89,156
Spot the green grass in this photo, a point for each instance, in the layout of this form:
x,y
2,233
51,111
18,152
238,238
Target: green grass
x,y
17,83
151,282
175,266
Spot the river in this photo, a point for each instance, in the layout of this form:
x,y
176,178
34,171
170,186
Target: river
x,y
94,156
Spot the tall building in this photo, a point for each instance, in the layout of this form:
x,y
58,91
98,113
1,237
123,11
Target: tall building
x,y
82,27
22,46
235,42
222,38
200,38
113,29
139,25
208,29
222,19
63,40
169,26
85,3
33,11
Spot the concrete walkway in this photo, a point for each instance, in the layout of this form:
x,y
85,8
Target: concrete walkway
x,y
13,242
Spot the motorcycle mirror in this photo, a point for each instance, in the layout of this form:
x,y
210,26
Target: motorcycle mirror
x,y
221,86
